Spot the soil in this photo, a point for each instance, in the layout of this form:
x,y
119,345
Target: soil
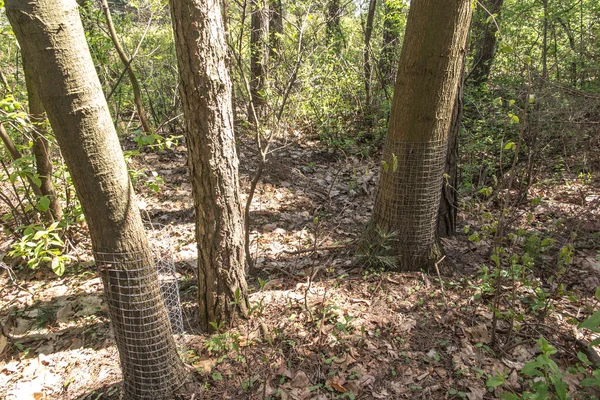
x,y
324,323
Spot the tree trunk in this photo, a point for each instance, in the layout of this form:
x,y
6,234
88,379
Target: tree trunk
x,y
206,91
137,93
391,33
333,27
446,225
275,28
259,39
53,43
486,48
545,42
41,147
408,193
367,61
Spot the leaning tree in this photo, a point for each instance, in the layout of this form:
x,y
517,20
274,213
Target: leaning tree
x,y
206,92
409,186
53,44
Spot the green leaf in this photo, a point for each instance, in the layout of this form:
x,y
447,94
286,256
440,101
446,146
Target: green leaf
x,y
395,163
509,396
43,204
597,293
510,145
583,358
217,376
592,322
590,382
385,166
495,381
58,266
530,369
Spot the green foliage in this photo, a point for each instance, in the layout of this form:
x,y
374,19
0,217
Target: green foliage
x,y
41,245
377,249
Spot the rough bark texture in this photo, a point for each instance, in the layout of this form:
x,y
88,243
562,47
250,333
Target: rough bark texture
x,y
446,225
486,47
53,42
206,92
259,53
426,85
137,93
41,147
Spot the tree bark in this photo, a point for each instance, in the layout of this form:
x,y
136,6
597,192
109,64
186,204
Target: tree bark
x,y
486,48
53,42
41,147
259,53
137,93
446,225
367,60
206,92
408,193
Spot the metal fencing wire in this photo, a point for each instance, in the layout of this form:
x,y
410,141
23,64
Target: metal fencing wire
x,y
409,191
169,288
135,294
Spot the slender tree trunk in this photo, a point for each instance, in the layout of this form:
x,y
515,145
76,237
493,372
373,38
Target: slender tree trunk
x,y
275,28
333,27
573,48
15,154
53,43
391,33
206,91
259,39
545,42
486,47
367,60
137,93
41,147
414,156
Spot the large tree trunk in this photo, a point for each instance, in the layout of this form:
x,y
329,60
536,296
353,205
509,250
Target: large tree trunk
x,y
53,43
212,159
259,55
41,147
486,47
408,193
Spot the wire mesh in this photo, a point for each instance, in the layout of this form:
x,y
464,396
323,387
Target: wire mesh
x,y
409,192
141,324
169,288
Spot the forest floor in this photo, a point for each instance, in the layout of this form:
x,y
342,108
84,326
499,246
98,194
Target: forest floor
x,y
324,325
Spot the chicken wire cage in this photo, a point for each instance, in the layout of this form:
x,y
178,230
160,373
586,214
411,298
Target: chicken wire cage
x,y
145,313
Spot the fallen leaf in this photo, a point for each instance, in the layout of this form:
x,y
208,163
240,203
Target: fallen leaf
x,y
476,393
300,380
205,365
